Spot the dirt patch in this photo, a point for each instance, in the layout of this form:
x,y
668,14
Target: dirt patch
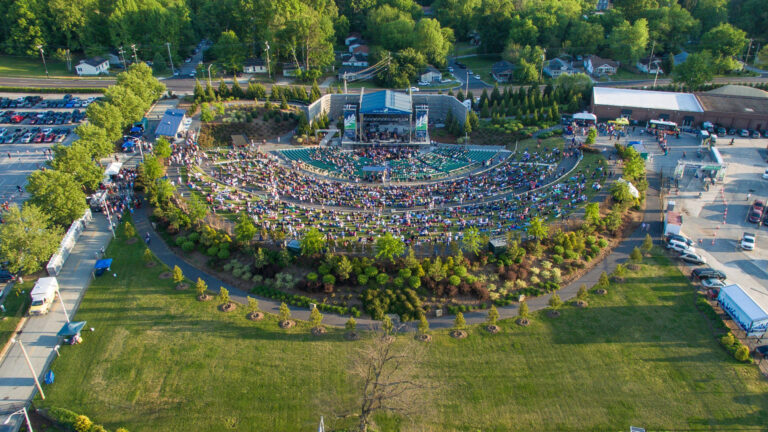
x,y
131,240
423,338
581,303
150,264
318,331
182,286
458,334
287,324
523,322
228,307
492,329
601,291
165,275
255,316
204,297
553,313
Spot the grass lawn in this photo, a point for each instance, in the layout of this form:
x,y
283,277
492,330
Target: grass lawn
x,y
463,48
480,65
16,304
642,355
33,67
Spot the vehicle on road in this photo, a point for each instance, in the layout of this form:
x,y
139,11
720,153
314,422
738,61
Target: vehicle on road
x,y
765,175
712,283
43,294
707,273
748,241
693,258
477,77
414,89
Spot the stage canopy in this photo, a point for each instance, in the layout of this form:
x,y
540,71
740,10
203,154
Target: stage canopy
x,y
386,102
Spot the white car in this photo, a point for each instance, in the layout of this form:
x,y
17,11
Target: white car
x,y
414,89
748,241
693,258
713,283
422,83
765,175
477,77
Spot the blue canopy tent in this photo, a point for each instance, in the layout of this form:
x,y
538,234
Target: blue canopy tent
x,y
72,328
102,265
740,304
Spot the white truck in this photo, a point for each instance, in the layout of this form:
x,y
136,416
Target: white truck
x,y
43,295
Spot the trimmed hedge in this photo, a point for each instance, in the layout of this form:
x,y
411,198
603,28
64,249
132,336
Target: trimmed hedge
x,y
64,90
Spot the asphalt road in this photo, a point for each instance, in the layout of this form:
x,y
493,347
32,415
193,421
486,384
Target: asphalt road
x,y
462,75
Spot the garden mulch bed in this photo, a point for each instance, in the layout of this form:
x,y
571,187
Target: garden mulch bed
x,y
492,329
458,334
287,324
423,337
255,316
523,322
581,303
204,297
228,307
165,275
601,291
318,331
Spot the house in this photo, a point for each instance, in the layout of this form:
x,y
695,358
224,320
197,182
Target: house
x,y
431,74
171,123
650,66
351,73
93,66
502,71
254,66
291,70
603,5
427,11
352,39
354,60
557,66
597,66
359,50
114,60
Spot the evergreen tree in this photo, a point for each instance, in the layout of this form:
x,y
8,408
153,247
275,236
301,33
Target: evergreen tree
x,y
199,93
237,91
223,91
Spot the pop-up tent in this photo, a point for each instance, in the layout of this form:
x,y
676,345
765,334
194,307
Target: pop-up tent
x,y
72,328
742,306
102,265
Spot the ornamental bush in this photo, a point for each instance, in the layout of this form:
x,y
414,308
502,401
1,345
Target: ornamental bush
x,y
312,277
454,280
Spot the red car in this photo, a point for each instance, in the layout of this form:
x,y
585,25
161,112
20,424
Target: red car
x,y
17,118
50,137
38,138
756,212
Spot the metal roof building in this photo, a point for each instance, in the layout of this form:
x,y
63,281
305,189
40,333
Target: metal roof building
x,y
171,123
646,99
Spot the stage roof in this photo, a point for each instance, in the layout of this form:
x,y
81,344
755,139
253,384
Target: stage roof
x,y
386,102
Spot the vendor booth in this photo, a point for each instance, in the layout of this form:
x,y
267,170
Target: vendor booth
x,y
71,332
101,266
745,307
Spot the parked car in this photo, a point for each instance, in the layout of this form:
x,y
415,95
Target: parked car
x,y
744,133
693,258
755,212
680,247
707,273
721,131
712,283
755,134
765,175
678,237
477,77
748,241
6,276
731,131
765,133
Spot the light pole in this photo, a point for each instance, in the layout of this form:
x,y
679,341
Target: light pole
x,y
31,369
64,308
109,219
209,75
269,73
135,57
26,416
168,44
40,47
121,52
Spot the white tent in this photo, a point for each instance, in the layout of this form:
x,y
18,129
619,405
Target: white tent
x,y
585,116
113,169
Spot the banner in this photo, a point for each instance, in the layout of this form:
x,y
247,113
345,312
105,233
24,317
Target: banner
x,y
350,123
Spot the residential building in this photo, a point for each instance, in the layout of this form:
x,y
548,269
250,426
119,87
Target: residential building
x,y
350,73
603,5
92,66
431,74
650,66
359,49
597,66
352,39
354,60
558,66
291,70
502,71
255,66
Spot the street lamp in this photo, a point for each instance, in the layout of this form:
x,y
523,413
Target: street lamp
x,y
209,75
26,416
31,369
61,299
40,47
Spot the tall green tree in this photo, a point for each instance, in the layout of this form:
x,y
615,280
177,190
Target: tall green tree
x,y
537,228
695,70
108,117
629,41
58,194
29,238
128,104
25,34
313,242
95,139
471,240
433,41
245,230
76,159
389,247
724,41
229,50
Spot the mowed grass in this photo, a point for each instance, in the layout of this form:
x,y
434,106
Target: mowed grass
x,y
33,67
642,355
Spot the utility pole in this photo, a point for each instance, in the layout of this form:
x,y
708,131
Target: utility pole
x,y
121,53
269,72
543,59
168,44
31,369
749,48
135,57
69,61
757,51
210,83
650,59
40,47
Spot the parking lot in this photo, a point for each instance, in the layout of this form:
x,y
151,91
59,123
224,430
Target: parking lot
x,y
716,219
41,119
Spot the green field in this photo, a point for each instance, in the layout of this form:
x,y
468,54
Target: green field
x,y
16,304
480,65
642,355
33,67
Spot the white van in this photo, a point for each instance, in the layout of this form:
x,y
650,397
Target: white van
x,y
43,295
680,247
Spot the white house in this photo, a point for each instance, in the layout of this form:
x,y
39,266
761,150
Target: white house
x,y
557,66
650,66
254,66
597,66
93,66
352,38
355,60
431,74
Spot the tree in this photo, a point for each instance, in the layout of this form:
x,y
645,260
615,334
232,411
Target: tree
x,y
537,228
351,324
592,213
130,106
423,324
29,239
284,314
150,171
386,325
459,323
245,230
178,275
313,242
253,305
200,287
471,240
108,117
524,311
636,256
388,378
57,194
695,70
129,230
24,34
603,281
223,295
77,160
620,192
724,40
647,244
493,315
315,317
344,268
94,138
583,293
628,41
389,247
197,210
711,13
229,51
555,302
162,148
433,41
148,256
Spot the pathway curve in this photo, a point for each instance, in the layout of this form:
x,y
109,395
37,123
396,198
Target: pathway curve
x,y
620,254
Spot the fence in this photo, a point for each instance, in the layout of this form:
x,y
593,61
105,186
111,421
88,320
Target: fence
x,y
68,243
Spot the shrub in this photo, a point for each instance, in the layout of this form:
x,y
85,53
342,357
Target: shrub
x,y
423,324
351,324
64,416
460,271
546,265
454,280
524,311
371,271
324,269
212,251
285,313
404,273
493,315
636,256
180,240
382,279
178,275
329,279
557,259
193,237
558,250
362,279
188,246
414,282
742,354
583,293
535,280
647,243
223,295
459,323
200,287
223,254
570,255
728,340
603,282
82,424
312,277
602,243
555,301
315,317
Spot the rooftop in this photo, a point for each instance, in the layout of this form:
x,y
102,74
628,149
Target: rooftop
x,y
646,99
95,61
752,301
738,90
170,123
386,102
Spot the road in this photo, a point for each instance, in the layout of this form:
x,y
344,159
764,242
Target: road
x,y
462,75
